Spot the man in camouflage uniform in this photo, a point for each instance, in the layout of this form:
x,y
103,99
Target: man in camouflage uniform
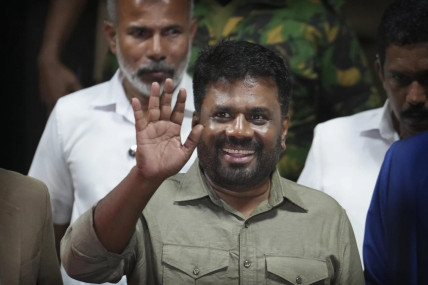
x,y
331,77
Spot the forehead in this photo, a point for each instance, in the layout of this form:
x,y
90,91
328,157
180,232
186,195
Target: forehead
x,y
408,58
242,94
153,11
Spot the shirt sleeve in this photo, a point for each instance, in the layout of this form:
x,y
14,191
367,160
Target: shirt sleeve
x,y
350,271
49,165
85,258
374,247
311,174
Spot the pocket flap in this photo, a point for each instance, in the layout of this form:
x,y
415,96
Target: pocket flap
x,y
195,261
297,270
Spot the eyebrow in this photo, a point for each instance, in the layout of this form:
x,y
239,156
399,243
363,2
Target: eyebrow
x,y
254,110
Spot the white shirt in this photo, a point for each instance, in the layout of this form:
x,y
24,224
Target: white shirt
x,y
345,159
83,152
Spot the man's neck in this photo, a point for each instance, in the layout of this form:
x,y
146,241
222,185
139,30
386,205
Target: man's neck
x,y
245,201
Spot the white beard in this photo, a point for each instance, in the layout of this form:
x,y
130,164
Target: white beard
x,y
144,88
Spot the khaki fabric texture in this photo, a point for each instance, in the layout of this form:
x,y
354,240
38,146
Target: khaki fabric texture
x,y
187,235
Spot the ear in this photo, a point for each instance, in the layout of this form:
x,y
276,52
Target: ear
x,y
378,68
193,28
285,124
110,33
195,119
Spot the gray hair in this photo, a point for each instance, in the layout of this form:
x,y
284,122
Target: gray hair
x,y
112,9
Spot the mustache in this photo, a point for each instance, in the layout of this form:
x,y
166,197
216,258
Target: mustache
x,y
413,111
233,142
156,66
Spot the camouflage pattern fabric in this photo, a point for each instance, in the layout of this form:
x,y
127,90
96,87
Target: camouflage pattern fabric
x,y
331,77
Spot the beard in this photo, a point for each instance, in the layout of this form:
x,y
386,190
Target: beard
x,y
238,176
134,75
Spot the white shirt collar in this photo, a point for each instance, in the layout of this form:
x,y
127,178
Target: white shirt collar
x,y
381,123
115,99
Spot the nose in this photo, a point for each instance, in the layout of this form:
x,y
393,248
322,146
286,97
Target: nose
x,y
156,50
417,94
240,128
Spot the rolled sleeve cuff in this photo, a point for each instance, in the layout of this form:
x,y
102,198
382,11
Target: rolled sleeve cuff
x,y
86,259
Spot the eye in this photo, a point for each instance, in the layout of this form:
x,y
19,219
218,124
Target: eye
x,y
222,116
400,79
172,32
258,119
140,33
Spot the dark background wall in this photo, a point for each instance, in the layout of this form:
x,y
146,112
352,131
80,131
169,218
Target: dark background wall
x,y
22,114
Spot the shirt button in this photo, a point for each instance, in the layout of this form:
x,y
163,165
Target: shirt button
x,y
132,150
247,263
299,279
196,270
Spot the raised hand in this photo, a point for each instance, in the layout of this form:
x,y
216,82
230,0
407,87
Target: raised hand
x,y
160,153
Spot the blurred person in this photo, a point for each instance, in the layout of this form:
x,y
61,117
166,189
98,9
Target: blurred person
x,y
89,142
396,236
27,244
347,153
55,78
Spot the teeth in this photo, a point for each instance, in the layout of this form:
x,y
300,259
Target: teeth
x,y
239,151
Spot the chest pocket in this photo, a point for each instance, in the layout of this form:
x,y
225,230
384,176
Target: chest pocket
x,y
194,265
294,270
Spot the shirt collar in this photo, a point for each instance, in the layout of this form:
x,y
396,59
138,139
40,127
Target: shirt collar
x,y
381,123
115,99
194,186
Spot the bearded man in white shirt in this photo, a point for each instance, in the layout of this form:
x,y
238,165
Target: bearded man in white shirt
x,y
88,144
347,153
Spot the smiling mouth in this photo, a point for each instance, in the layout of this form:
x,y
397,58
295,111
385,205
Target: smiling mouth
x,y
238,151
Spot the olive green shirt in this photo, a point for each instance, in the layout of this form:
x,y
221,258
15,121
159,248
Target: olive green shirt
x,y
187,235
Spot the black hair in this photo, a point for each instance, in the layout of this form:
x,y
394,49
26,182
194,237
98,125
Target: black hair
x,y
234,60
404,22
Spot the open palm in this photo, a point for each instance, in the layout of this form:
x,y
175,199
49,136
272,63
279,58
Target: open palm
x,y
160,153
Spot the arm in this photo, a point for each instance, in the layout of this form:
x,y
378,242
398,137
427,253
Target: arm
x,y
101,244
160,154
49,272
56,79
50,166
